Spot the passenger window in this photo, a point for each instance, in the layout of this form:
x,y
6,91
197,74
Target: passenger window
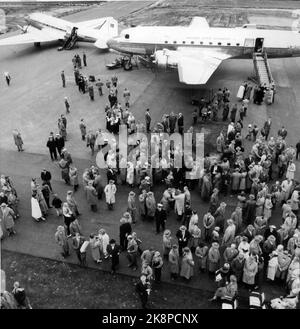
x,y
126,36
210,43
174,41
183,42
219,43
201,42
228,44
166,41
237,44
192,42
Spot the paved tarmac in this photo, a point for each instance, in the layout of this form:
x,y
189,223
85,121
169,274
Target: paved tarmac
x,y
34,101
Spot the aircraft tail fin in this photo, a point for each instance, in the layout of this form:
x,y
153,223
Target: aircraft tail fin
x,y
108,29
199,23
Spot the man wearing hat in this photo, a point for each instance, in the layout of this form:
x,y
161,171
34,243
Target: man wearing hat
x,y
183,236
110,192
143,290
8,219
59,143
223,274
91,195
132,249
174,262
160,218
114,251
52,148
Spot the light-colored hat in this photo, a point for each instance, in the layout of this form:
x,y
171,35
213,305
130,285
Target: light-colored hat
x,y
3,205
182,228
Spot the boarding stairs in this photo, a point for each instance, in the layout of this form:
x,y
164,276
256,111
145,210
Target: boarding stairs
x,y
262,69
71,40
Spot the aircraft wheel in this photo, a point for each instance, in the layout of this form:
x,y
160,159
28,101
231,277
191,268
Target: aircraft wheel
x,y
127,66
37,44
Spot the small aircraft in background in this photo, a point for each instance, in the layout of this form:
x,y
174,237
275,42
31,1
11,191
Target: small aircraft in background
x,y
45,28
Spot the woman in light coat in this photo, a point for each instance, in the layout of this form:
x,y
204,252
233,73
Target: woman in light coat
x,y
110,192
260,225
72,203
150,205
291,169
62,240
201,253
91,195
73,173
75,227
229,233
179,203
167,243
237,217
268,207
250,270
36,212
174,262
132,208
187,264
260,204
130,174
95,244
214,258
273,263
286,187
8,219
195,239
104,242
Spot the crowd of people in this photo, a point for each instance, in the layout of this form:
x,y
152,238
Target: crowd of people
x,y
244,248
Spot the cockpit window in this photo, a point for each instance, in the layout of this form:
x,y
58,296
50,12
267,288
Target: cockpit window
x,y
126,36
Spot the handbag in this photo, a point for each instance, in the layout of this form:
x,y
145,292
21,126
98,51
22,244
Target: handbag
x,y
218,277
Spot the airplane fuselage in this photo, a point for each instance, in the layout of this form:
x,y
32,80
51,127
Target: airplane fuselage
x,y
236,42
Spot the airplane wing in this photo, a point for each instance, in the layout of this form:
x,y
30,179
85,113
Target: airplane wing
x,y
33,35
196,66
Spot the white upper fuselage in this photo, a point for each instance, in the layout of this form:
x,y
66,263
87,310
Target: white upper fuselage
x,y
236,42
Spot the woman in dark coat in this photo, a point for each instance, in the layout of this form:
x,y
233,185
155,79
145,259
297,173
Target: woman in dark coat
x,y
64,166
250,210
125,230
237,266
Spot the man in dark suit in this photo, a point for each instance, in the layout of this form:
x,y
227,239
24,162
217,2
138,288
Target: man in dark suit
x,y
160,218
77,242
52,148
282,132
183,236
114,251
143,290
59,143
267,128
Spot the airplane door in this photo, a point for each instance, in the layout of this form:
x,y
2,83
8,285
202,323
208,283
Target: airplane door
x,y
248,46
259,43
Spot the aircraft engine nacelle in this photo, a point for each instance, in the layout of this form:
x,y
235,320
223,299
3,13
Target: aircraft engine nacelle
x,y
166,58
